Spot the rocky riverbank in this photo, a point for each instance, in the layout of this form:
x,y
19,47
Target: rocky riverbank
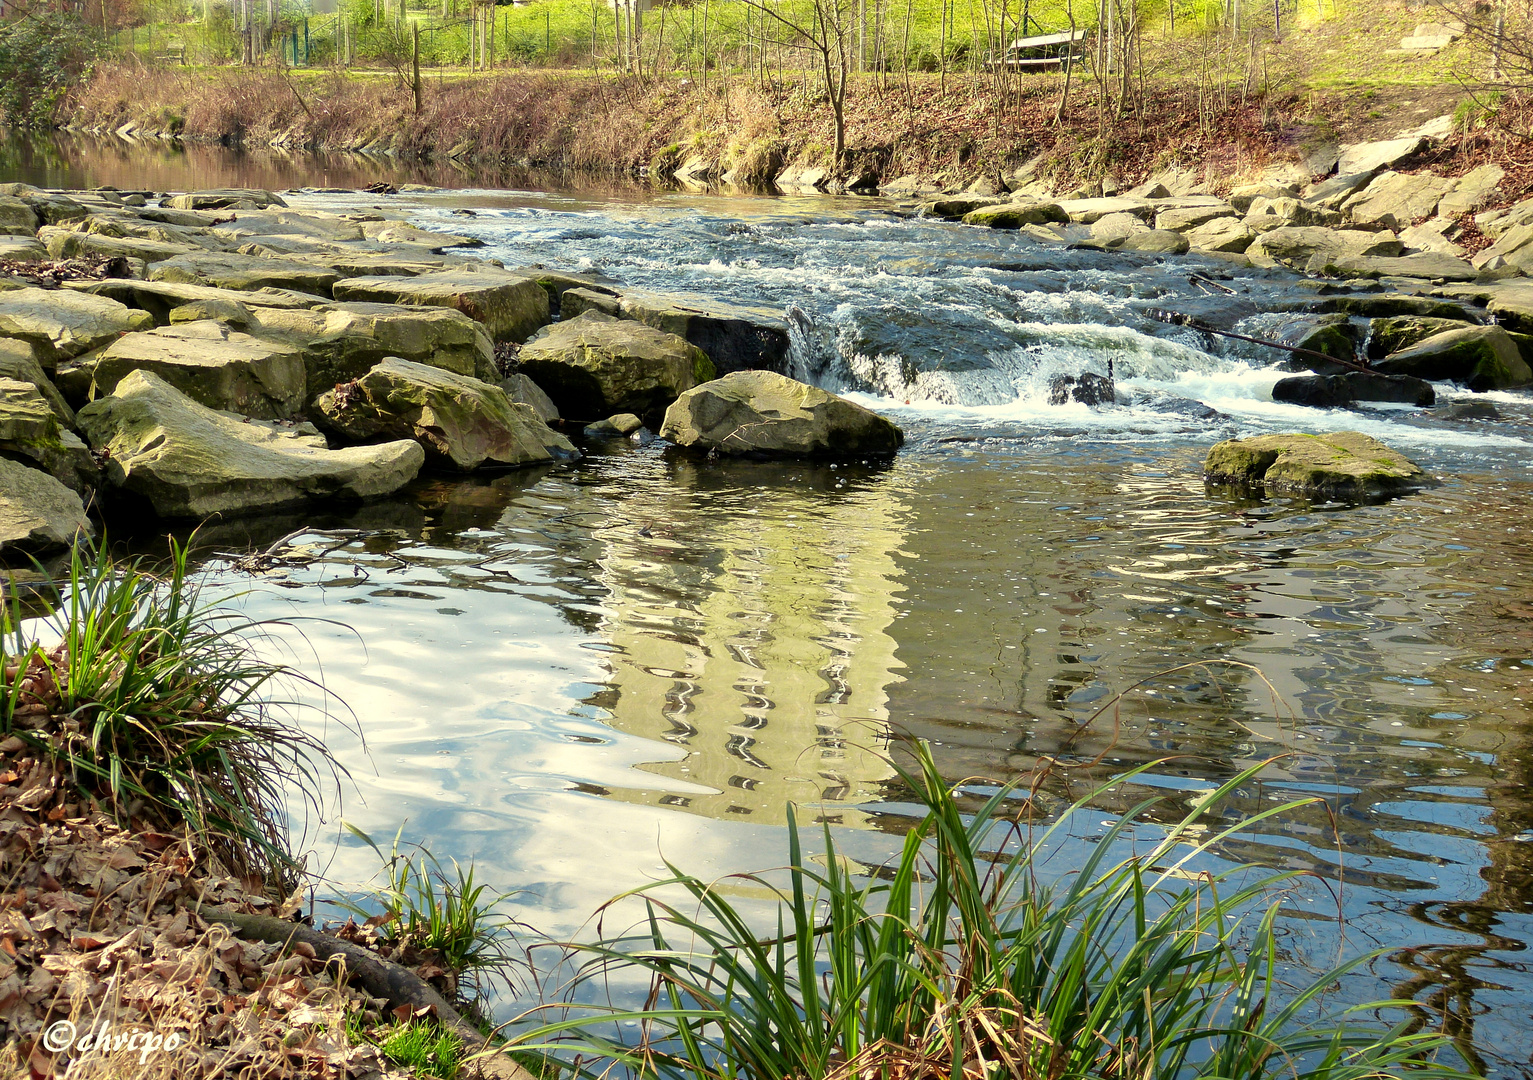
x,y
219,353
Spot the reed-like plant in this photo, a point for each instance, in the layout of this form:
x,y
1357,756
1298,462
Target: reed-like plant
x,y
154,703
965,960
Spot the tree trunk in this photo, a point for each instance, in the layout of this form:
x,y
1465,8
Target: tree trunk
x,y
415,64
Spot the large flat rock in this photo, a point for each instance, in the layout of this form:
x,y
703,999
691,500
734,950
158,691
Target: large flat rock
x,y
69,244
225,199
211,364
1479,357
511,307
191,462
1297,245
160,298
1343,465
246,273
37,514
461,422
62,323
1370,157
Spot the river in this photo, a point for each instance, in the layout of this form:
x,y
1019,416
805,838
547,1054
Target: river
x,y
569,675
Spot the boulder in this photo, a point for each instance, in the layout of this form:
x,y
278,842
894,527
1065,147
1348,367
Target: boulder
x,y
1334,335
954,208
1014,215
574,301
1380,305
619,425
1512,248
595,365
343,341
160,298
225,199
556,283
245,273
1474,189
1434,235
511,307
307,225
355,261
38,514
735,337
1370,157
18,360
1479,357
1221,234
1267,214
22,249
191,462
1087,389
30,429
1339,391
1342,465
68,244
16,217
523,391
211,364
1087,211
1469,410
762,412
1186,218
399,232
231,313
1111,230
1299,244
1337,190
1154,242
461,422
1242,197
62,323
1397,332
1393,200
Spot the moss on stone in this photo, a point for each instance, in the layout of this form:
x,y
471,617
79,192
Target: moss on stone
x,y
1345,465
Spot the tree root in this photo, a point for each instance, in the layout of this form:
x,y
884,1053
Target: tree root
x,y
381,978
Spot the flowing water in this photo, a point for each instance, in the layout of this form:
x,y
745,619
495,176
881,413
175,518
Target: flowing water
x,y
572,675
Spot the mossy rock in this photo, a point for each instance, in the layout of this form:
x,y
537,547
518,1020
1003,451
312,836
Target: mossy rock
x,y
1333,335
1398,332
1384,305
1016,215
1343,465
1479,357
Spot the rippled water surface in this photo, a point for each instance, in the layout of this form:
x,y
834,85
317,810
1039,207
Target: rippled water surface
x,y
570,675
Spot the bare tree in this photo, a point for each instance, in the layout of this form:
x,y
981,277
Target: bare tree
x,y
826,28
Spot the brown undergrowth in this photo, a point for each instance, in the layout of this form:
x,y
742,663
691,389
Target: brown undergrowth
x,y
620,124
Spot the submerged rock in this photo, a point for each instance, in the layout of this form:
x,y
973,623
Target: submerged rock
x,y
461,422
621,424
511,307
1087,389
37,514
189,461
762,412
1342,465
595,365
1479,357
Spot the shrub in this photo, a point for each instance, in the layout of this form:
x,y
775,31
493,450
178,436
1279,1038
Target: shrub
x,y
42,55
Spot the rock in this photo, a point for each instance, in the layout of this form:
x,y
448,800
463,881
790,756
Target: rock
x,y
191,462
160,298
225,199
736,337
1513,247
1342,465
1186,218
1479,357
1382,305
399,232
29,428
18,360
245,273
1087,211
67,244
523,391
16,217
1154,242
556,283
762,412
595,365
1086,389
1015,215
1150,189
1337,190
511,307
1394,333
461,422
1434,236
1341,390
1222,234
621,424
575,301
229,312
1431,36
341,342
955,208
22,249
1393,200
211,364
1242,197
1321,159
1428,265
1299,244
38,514
1112,229
289,223
62,323
1370,157
1469,410
1334,335
1266,214
1474,189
